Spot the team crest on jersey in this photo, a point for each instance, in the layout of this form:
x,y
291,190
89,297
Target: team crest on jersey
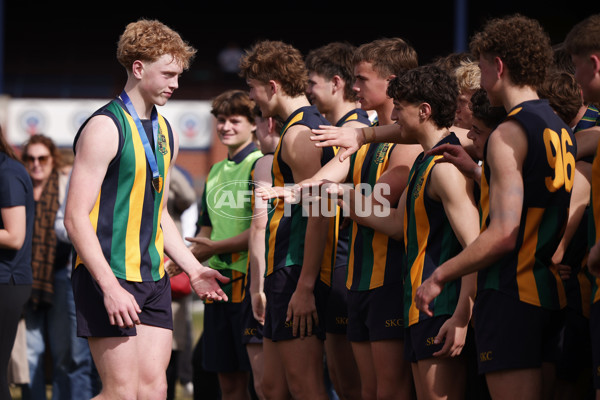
x,y
418,186
381,152
162,144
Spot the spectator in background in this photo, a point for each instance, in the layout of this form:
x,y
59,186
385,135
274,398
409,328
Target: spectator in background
x,y
223,241
88,381
50,314
16,231
182,196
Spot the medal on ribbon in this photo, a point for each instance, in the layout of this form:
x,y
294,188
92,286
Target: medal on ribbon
x,y
157,183
157,180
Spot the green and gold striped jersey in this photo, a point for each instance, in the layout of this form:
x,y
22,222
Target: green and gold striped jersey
x,y
128,211
527,272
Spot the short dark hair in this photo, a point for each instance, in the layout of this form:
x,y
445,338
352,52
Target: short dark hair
x,y
483,110
234,102
428,84
563,93
334,59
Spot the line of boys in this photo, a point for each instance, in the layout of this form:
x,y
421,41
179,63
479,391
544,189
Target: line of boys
x,y
524,207
513,252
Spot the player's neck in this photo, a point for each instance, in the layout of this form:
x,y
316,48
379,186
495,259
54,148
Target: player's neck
x,y
142,107
291,104
232,151
339,110
515,95
384,112
432,136
579,115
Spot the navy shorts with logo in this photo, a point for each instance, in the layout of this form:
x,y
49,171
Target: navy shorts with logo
x,y
511,334
279,287
419,338
376,314
337,304
252,330
154,298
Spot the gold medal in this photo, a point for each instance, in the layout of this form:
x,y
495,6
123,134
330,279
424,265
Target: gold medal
x,y
157,183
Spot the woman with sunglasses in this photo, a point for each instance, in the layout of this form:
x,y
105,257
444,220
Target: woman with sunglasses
x,y
50,313
16,227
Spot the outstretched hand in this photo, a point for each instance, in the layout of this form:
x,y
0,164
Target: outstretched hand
x,y
172,268
456,155
349,139
206,284
289,194
345,195
201,248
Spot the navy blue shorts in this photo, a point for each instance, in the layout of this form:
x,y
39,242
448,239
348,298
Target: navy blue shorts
x,y
511,334
154,298
336,310
252,330
279,288
222,347
419,338
575,347
595,337
376,314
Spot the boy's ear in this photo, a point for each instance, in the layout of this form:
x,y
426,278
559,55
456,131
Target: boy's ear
x,y
274,86
500,66
424,110
595,59
137,69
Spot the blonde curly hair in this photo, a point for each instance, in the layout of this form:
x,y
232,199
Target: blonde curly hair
x,y
468,76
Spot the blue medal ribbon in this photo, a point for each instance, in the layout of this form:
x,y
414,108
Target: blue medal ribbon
x,y
157,180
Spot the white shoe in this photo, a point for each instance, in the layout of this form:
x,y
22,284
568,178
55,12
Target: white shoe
x,y
188,389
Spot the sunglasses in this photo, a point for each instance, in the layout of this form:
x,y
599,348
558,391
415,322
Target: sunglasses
x,y
43,160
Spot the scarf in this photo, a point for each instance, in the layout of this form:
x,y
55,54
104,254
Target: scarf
x,y
44,245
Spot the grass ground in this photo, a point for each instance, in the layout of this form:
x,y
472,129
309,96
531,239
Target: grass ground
x,y
179,392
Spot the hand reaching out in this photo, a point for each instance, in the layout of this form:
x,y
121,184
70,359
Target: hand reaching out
x,y
206,284
458,156
201,248
172,268
349,139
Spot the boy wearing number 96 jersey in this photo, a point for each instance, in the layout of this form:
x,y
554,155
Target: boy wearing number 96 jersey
x,y
528,172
